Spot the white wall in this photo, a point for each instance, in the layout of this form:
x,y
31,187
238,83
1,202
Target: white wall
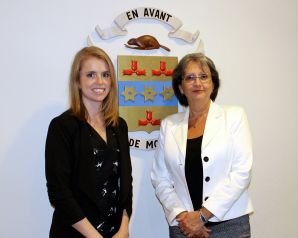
x,y
254,45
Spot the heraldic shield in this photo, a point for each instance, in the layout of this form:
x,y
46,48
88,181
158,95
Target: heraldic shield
x,y
145,90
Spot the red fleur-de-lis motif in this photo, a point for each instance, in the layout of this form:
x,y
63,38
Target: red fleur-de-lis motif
x,y
149,120
134,69
162,70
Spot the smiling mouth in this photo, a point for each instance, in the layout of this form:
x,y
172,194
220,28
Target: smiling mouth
x,y
198,90
99,90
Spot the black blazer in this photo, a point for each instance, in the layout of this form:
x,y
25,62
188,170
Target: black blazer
x,y
70,173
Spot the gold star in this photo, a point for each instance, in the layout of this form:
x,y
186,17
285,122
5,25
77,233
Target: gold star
x,y
167,93
129,93
149,93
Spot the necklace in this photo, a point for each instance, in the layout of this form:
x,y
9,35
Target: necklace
x,y
192,123
197,121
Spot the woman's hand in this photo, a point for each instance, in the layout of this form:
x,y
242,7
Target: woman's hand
x,y
123,230
86,229
203,233
191,226
181,215
122,233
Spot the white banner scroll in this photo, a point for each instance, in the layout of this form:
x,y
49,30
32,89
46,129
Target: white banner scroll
x,y
146,13
143,144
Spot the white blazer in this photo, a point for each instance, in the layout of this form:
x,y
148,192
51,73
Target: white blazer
x,y
227,162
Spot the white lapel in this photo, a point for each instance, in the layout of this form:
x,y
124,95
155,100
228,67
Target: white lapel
x,y
180,128
215,113
179,132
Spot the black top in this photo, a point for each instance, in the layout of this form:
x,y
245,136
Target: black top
x,y
71,174
106,164
194,171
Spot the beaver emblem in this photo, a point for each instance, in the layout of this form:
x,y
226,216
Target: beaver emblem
x,y
145,42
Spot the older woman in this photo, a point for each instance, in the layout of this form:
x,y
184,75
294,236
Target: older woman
x,y
202,167
88,167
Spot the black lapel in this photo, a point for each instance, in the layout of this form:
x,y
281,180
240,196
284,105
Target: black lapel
x,y
86,170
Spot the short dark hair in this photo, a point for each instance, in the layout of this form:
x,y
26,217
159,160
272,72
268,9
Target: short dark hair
x,y
179,71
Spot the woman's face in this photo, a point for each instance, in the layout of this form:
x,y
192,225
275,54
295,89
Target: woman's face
x,y
95,81
197,84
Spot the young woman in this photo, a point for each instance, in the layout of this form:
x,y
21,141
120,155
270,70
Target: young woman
x,y
88,167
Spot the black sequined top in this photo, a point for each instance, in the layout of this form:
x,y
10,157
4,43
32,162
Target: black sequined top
x,y
106,164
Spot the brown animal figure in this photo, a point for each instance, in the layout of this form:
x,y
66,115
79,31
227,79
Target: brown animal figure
x,y
145,42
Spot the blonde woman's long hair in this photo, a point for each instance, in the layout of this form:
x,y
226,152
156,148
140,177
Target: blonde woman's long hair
x,y
110,103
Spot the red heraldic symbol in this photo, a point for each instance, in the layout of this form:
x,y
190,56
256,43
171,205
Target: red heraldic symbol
x,y
149,120
134,69
162,70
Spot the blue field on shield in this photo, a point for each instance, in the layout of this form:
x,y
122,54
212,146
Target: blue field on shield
x,y
139,99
